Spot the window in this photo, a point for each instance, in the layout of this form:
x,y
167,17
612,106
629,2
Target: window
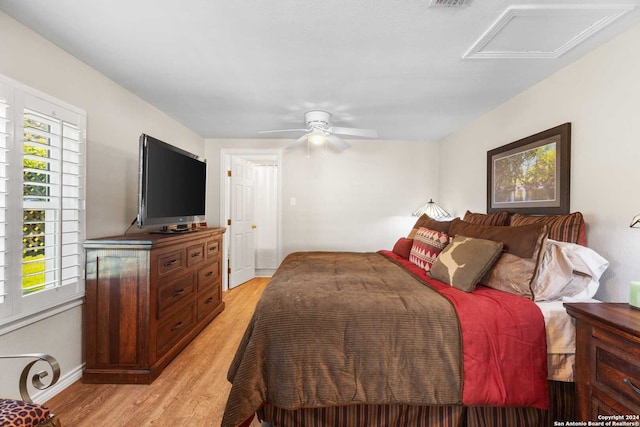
x,y
41,202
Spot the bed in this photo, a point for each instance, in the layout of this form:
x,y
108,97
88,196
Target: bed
x,y
360,339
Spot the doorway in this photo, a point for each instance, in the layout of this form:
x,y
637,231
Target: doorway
x,y
250,206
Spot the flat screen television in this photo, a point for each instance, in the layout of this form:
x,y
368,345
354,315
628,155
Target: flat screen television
x,y
172,186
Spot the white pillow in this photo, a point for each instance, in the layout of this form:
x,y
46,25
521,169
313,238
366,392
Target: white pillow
x,y
568,272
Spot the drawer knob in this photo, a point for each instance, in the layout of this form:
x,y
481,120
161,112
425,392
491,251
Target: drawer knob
x,y
176,326
209,300
195,254
628,382
178,292
170,263
209,274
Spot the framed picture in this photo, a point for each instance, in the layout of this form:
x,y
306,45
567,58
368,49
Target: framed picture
x,y
531,176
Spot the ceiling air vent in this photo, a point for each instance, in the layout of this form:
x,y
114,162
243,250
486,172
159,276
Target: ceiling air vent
x,y
449,3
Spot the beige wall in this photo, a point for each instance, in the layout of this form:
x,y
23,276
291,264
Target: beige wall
x,y
360,199
600,95
115,119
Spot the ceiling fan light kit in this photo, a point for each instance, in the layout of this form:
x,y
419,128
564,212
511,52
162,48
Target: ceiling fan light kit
x,y
316,137
319,131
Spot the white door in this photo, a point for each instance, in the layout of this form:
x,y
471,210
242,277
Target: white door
x,y
242,229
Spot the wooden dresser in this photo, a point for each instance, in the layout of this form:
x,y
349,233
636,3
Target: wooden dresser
x,y
147,297
607,360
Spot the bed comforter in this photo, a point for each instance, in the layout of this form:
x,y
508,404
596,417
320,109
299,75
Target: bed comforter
x,y
340,328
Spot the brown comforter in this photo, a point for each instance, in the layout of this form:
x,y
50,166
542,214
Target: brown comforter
x,y
320,348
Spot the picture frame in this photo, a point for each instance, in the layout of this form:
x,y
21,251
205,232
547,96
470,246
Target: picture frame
x,y
531,175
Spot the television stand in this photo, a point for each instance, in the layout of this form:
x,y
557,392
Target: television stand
x,y
147,297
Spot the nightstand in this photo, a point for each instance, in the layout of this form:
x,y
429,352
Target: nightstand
x,y
607,369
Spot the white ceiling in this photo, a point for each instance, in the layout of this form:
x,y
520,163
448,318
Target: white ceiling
x,y
230,68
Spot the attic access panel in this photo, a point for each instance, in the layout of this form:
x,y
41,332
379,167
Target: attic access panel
x,y
543,31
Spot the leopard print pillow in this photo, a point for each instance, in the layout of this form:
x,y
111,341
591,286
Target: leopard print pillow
x,y
18,413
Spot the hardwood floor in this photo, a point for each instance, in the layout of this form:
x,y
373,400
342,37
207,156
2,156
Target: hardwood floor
x,y
191,391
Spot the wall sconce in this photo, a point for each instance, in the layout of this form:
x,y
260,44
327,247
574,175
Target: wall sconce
x,y
635,222
433,210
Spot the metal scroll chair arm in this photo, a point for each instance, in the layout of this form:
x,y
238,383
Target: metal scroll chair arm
x,y
36,379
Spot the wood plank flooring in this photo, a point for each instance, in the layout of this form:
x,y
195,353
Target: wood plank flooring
x,y
191,391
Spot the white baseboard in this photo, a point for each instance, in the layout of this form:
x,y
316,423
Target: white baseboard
x,y
265,272
65,381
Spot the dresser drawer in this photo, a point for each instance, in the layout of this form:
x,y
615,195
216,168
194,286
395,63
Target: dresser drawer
x,y
607,403
172,292
195,254
174,327
616,370
170,262
598,407
208,275
213,248
207,301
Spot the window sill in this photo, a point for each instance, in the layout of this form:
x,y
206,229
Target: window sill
x,y
42,315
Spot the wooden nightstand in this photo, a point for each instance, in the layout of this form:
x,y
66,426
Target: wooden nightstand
x,y
607,359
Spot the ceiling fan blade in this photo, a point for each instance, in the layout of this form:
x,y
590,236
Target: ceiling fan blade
x,y
338,142
297,142
284,130
365,133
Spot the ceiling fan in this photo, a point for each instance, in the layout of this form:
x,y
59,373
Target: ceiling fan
x,y
319,131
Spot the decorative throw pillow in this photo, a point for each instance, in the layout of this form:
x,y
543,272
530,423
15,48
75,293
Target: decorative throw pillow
x,y
403,247
427,244
512,274
464,261
520,241
496,218
427,222
516,268
563,228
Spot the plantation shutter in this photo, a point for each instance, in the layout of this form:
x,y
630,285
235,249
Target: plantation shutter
x,y
5,127
52,197
42,212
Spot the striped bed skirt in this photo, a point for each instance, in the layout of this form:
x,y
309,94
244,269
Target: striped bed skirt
x,y
561,408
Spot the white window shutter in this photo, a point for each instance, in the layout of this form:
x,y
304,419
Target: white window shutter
x,y
5,135
42,191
